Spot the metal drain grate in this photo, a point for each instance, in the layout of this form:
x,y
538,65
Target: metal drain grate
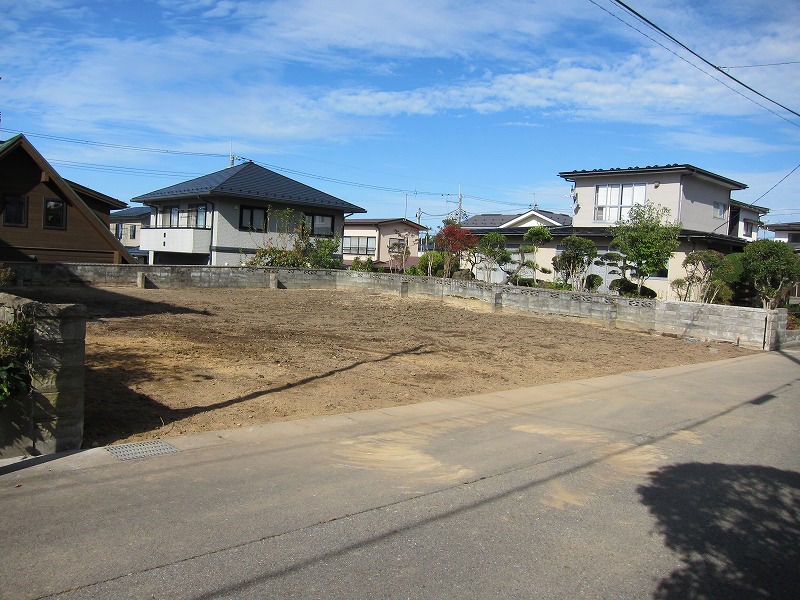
x,y
141,449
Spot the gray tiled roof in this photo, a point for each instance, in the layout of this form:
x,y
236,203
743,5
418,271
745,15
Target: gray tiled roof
x,y
676,168
250,180
489,220
135,212
497,220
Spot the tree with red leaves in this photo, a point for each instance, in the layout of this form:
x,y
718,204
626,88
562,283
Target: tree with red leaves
x,y
454,239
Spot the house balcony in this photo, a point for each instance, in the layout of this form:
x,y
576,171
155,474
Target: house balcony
x,y
185,240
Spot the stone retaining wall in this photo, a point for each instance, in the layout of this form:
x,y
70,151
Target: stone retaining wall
x,y
50,418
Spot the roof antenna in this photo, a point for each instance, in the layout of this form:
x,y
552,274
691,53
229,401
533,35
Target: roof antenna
x,y
231,152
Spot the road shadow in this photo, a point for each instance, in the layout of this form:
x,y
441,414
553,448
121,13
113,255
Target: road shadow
x,y
736,529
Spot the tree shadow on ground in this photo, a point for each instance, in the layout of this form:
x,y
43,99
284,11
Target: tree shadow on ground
x,y
100,302
735,527
114,411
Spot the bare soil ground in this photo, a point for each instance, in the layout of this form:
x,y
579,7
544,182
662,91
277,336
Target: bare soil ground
x,y
172,362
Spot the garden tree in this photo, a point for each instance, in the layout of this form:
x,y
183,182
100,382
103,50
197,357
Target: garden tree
x,y
536,236
365,266
708,273
15,356
574,261
773,268
431,264
454,240
399,252
492,248
647,239
292,246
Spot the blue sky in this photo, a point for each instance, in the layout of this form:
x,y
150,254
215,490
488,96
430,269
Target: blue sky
x,y
396,105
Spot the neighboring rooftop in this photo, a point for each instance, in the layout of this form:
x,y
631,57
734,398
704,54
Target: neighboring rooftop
x,y
498,220
686,169
249,180
401,221
759,209
782,226
135,212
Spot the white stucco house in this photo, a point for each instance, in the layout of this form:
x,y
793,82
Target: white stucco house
x,y
699,199
222,218
379,239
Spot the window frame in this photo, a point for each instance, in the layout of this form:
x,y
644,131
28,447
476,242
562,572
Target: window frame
x,y
24,216
46,213
370,245
250,224
613,210
193,216
311,222
719,214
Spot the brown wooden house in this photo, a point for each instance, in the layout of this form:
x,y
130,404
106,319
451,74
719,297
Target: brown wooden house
x,y
49,219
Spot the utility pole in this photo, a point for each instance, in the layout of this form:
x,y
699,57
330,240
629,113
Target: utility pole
x,y
459,203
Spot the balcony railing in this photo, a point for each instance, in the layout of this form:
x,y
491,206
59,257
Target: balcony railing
x,y
176,239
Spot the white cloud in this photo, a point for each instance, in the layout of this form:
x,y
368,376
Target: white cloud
x,y
216,75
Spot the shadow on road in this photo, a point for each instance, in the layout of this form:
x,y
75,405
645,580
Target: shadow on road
x,y
735,527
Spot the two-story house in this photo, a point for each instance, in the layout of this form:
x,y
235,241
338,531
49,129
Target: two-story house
x,y
788,233
391,243
222,218
46,218
699,199
127,225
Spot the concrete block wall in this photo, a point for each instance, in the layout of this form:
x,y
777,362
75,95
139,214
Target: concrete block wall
x,y
50,419
749,327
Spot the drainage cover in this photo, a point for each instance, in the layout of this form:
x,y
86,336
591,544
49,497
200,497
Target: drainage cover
x,y
141,449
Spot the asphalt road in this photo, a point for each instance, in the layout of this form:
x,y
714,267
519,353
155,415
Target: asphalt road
x,y
677,483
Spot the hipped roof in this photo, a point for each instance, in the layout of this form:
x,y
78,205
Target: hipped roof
x,y
249,180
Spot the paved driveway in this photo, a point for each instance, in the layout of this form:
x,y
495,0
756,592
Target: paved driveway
x,y
677,483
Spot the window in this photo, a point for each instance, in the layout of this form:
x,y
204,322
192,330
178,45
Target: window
x,y
197,216
397,242
132,232
614,201
748,229
118,231
320,225
15,211
171,216
358,245
252,219
55,213
719,210
794,238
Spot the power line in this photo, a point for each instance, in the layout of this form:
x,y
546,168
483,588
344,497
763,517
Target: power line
x,y
115,146
778,64
119,169
776,185
667,35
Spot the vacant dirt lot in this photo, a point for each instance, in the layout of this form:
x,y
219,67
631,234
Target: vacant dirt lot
x,y
171,362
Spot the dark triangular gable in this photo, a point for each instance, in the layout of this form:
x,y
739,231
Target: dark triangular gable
x,y
54,180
